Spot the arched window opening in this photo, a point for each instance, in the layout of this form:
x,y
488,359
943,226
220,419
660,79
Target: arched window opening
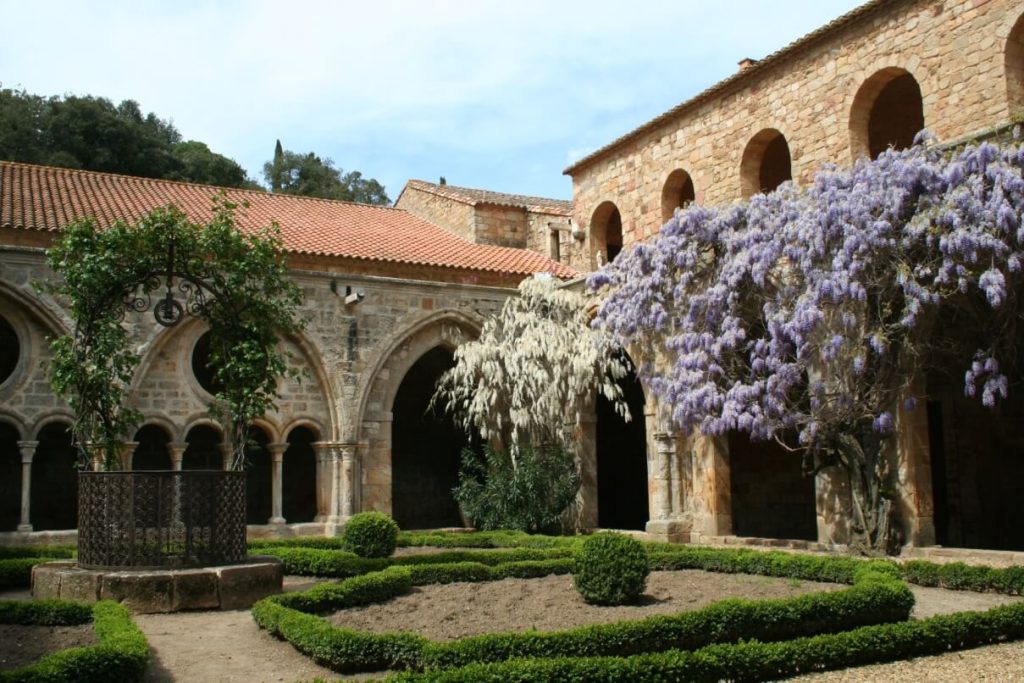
x,y
201,367
54,490
678,193
10,350
887,112
1015,68
10,478
605,234
258,478
426,449
299,476
622,461
766,163
152,452
204,449
772,497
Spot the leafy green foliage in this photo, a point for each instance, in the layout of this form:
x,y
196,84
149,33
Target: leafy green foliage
x,y
310,176
528,494
44,612
250,302
94,134
370,534
611,569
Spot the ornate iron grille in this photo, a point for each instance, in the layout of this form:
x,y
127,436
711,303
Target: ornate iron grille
x,y
160,519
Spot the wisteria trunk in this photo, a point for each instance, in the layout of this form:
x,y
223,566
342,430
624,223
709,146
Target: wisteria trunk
x,y
872,509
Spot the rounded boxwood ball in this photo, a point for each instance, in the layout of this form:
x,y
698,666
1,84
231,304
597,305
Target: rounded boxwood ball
x,y
611,569
371,534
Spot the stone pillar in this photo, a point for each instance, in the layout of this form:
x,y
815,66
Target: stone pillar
x,y
915,514
326,507
586,454
833,499
712,493
127,453
663,481
177,451
28,451
226,454
277,455
347,480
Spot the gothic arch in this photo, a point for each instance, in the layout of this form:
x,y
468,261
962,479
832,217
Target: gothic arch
x,y
31,322
1014,62
766,163
605,234
677,192
887,111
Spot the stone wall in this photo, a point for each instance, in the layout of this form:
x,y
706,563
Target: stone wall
x,y
503,226
452,215
955,50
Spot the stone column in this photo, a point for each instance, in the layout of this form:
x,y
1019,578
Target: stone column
x,y
712,493
28,451
127,453
226,454
915,514
833,500
347,480
325,506
177,451
586,499
277,454
664,524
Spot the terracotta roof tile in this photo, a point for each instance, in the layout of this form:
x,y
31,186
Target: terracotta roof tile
x,y
747,75
468,195
48,199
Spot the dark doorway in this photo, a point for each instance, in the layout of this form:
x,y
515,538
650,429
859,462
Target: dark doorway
x,y
771,496
151,453
896,116
299,476
258,478
54,480
622,461
10,478
204,449
425,450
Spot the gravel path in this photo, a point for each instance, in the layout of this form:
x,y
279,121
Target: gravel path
x,y
991,663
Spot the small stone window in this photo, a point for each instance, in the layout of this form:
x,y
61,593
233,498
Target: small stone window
x,y
10,350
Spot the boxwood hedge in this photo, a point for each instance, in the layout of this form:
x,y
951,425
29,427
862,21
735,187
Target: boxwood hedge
x,y
120,655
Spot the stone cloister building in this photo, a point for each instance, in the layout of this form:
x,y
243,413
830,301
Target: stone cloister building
x,y
868,80
390,292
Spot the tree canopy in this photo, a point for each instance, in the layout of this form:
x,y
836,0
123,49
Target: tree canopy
x,y
237,283
310,176
814,310
94,134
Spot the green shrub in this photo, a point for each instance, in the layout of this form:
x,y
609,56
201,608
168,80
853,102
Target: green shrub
x,y
611,569
50,551
44,612
371,535
17,572
528,495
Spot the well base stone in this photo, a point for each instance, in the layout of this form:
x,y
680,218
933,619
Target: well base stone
x,y
235,586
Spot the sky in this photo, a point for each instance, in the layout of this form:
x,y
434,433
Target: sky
x,y
494,94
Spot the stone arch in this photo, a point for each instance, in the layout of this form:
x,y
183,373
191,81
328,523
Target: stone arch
x,y
605,234
303,421
766,163
151,451
1014,62
58,415
329,424
299,473
16,421
447,329
204,451
29,322
887,111
678,192
621,459
54,490
10,474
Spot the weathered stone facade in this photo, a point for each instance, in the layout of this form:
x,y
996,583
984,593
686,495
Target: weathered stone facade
x,y
869,79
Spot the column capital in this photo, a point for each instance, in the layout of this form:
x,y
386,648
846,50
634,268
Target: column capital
x,y
277,449
27,450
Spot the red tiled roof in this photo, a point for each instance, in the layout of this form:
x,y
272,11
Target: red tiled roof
x,y
468,195
45,198
747,75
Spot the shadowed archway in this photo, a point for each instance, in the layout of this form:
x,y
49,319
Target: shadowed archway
x,y
298,489
622,461
54,488
887,112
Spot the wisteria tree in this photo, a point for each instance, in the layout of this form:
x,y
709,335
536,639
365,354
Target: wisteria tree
x,y
812,311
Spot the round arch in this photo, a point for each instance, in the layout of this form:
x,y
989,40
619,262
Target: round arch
x,y
766,163
678,192
303,422
151,452
16,421
887,111
605,234
1014,64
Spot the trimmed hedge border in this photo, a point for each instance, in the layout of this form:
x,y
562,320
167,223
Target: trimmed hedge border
x,y
16,563
875,598
757,661
121,654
